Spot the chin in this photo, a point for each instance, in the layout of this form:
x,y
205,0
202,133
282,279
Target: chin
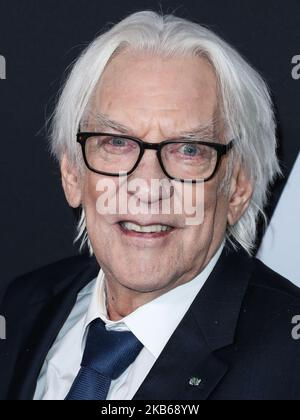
x,y
145,287
143,283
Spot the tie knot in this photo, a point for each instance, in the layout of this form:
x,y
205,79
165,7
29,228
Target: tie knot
x,y
109,352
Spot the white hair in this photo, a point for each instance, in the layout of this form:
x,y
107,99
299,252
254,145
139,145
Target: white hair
x,y
244,97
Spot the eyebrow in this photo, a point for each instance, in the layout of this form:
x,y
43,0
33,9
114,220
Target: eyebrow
x,y
203,130
103,121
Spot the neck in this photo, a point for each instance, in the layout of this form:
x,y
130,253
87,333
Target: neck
x,y
122,301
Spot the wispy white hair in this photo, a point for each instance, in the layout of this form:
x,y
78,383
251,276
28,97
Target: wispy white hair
x,y
244,97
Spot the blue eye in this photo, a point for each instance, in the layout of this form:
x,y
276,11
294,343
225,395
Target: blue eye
x,y
119,145
190,150
118,142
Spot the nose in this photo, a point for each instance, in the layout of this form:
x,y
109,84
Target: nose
x,y
148,183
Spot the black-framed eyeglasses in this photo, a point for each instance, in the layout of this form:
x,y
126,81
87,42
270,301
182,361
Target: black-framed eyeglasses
x,y
181,160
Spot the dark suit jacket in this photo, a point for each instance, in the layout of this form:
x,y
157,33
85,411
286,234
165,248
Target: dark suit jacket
x,y
236,337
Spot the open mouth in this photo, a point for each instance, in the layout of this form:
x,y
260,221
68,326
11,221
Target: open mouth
x,y
150,231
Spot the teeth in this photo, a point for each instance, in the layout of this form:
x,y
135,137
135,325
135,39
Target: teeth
x,y
145,229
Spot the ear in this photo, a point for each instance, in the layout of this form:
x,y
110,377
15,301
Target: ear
x,y
71,182
241,192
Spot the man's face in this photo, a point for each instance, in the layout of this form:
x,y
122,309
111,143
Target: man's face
x,y
156,98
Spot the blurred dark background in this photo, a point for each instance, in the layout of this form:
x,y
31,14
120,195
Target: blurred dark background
x,y
39,39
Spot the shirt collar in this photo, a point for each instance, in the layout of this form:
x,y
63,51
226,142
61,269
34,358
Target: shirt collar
x,y
146,321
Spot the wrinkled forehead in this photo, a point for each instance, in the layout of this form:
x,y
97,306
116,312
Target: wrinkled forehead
x,y
139,89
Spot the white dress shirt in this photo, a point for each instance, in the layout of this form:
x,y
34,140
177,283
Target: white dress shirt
x,y
153,325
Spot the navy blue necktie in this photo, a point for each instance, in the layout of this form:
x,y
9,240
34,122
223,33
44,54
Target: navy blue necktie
x,y
107,355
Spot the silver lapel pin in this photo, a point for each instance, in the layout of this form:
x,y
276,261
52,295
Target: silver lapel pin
x,y
195,381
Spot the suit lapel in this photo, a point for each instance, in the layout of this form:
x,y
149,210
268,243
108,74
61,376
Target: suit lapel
x,y
47,317
186,356
209,325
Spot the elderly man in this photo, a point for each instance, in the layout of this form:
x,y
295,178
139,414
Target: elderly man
x,y
179,310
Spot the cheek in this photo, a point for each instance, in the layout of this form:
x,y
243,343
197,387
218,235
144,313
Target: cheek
x,y
90,189
99,191
209,206
202,197
216,212
205,199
